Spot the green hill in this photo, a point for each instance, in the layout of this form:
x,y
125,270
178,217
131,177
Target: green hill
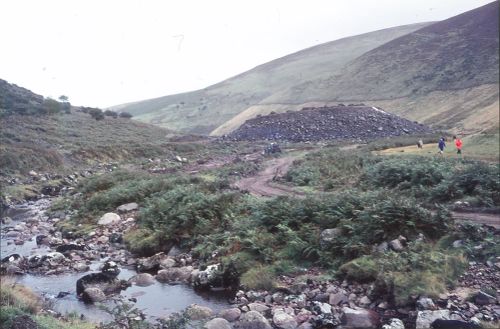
x,y
444,74
33,138
204,110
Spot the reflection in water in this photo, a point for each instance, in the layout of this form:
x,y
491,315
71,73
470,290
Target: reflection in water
x,y
157,300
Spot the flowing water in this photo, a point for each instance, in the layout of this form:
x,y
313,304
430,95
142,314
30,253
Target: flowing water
x,y
157,300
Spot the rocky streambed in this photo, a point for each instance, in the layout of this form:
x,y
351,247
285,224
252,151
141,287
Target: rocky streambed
x,y
36,255
77,273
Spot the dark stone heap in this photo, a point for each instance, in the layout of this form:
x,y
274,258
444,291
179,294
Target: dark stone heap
x,y
326,123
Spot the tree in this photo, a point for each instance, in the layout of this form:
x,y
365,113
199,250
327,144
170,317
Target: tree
x,y
63,98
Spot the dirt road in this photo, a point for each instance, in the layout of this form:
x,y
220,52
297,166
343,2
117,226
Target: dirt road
x,y
262,184
477,218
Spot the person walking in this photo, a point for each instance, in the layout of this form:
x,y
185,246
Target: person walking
x,y
441,145
458,144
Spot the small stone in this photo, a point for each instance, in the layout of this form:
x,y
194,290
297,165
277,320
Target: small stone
x,y
93,295
283,320
425,303
127,207
394,323
261,308
426,318
142,279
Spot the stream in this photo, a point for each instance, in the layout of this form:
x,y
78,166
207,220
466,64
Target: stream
x,y
155,301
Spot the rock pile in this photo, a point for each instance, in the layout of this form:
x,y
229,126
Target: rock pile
x,y
325,123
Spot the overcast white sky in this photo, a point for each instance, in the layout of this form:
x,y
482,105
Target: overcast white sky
x,y
107,52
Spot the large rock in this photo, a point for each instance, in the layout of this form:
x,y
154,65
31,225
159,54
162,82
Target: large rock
x,y
283,320
231,314
253,320
217,323
359,319
109,219
142,279
207,278
338,298
151,263
124,208
197,312
426,318
482,298
93,295
174,274
259,307
327,236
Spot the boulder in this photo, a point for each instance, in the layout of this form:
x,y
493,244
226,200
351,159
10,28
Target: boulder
x,y
394,323
142,279
327,236
482,298
231,314
283,320
454,324
174,274
197,312
396,245
93,295
151,263
207,278
259,307
68,247
338,298
359,319
124,208
217,323
426,318
253,320
109,218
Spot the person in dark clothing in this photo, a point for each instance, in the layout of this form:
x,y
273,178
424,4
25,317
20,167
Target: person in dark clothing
x,y
441,145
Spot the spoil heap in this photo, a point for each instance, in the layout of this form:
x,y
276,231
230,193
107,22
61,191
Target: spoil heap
x,y
325,123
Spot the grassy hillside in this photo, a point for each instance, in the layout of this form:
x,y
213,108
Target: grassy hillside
x,y
445,74
41,134
204,110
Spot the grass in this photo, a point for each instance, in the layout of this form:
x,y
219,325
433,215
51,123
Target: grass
x,y
18,300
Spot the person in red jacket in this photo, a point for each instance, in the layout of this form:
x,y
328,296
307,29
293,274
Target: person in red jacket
x,y
458,144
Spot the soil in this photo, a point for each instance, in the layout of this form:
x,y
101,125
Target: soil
x,y
262,184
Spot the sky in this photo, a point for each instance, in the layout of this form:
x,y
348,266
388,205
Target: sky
x,y
108,52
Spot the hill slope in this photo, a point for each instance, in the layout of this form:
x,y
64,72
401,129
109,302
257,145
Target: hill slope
x,y
35,140
445,73
204,110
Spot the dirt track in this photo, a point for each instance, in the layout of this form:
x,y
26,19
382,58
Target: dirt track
x,y
262,183
478,218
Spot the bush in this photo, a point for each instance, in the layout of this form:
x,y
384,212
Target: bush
x,y
125,115
144,242
96,114
110,113
420,270
258,278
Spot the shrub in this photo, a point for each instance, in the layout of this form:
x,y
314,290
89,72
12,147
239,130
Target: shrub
x,y
144,242
421,269
96,113
259,277
125,115
110,113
